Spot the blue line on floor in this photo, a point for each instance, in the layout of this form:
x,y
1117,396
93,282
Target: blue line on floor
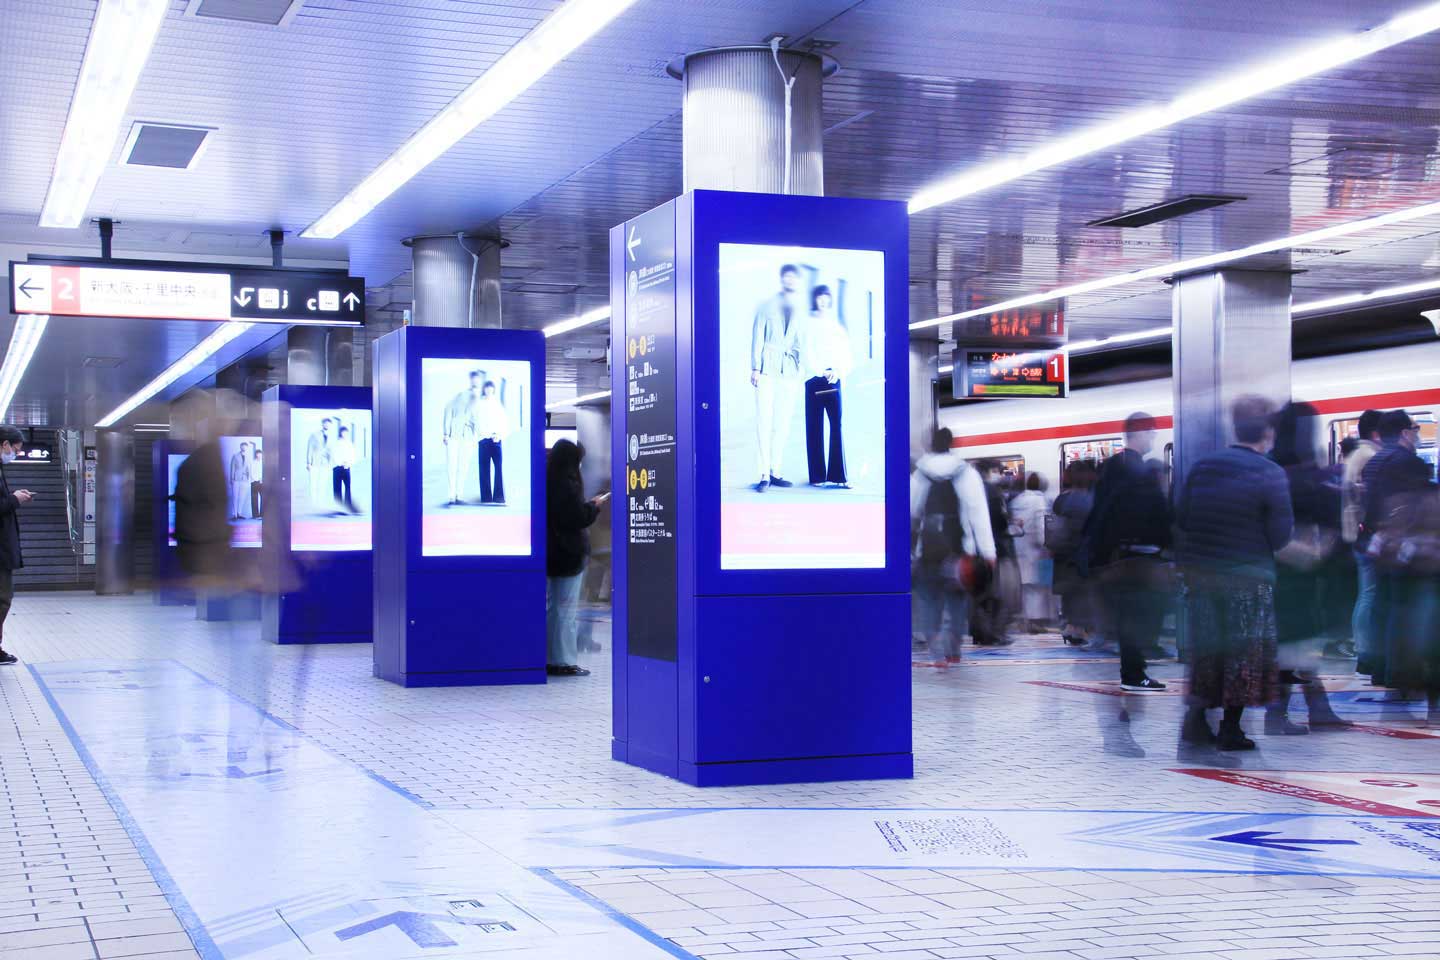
x,y
993,868
625,920
287,725
189,919
1357,815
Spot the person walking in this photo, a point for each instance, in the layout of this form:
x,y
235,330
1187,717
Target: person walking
x,y
1234,514
1027,512
1126,539
995,602
567,515
1062,538
1352,494
951,523
11,559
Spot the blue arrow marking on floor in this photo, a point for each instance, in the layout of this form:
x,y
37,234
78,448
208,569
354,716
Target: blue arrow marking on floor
x,y
1269,841
419,927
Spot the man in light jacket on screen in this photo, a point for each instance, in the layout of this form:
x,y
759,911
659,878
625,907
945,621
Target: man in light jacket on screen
x,y
775,374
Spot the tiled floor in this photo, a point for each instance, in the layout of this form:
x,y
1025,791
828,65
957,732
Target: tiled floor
x,y
194,752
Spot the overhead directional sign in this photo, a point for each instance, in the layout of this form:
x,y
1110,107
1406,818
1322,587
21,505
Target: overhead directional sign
x,y
989,373
184,291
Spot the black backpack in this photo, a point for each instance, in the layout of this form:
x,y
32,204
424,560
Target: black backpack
x,y
940,534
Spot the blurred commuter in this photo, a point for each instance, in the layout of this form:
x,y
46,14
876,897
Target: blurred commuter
x,y
1063,529
11,442
1027,513
567,515
203,509
954,544
1394,480
1352,530
995,604
1301,572
1127,539
1406,550
1234,514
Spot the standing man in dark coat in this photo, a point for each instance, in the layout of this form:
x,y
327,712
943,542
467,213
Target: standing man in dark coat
x,y
11,440
1127,537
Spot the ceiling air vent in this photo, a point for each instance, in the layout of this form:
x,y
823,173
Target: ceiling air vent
x,y
1165,210
275,13
171,145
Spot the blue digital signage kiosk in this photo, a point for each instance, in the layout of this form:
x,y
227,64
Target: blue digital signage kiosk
x,y
165,459
317,508
460,480
762,607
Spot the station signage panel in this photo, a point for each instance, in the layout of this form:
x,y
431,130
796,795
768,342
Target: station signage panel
x,y
184,291
989,373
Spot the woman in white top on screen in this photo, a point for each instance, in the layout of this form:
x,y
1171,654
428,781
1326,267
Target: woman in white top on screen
x,y
826,358
492,424
342,457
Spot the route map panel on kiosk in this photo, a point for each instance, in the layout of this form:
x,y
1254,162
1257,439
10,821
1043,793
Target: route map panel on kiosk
x,y
475,457
802,408
243,462
330,498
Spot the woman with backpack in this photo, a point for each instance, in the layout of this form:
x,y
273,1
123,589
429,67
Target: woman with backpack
x,y
954,544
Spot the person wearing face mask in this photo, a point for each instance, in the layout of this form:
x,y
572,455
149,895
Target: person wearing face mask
x,y
1234,514
11,441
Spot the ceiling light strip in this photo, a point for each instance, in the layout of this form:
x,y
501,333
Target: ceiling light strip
x,y
1350,299
197,355
23,341
520,68
1192,264
120,41
576,401
586,319
1239,85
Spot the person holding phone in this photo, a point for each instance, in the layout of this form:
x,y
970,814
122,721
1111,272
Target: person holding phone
x,y
12,441
567,517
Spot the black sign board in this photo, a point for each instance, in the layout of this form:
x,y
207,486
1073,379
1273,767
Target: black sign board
x,y
34,453
989,373
160,290
650,424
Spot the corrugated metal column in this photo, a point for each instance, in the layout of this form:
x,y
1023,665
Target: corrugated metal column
x,y
1232,337
735,120
114,513
457,281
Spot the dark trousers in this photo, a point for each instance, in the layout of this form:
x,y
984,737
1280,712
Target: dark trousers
x,y
342,487
492,488
1134,614
256,489
822,399
7,596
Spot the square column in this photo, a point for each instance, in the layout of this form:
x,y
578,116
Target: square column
x,y
1232,337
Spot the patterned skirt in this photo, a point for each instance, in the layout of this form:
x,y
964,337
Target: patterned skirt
x,y
1230,632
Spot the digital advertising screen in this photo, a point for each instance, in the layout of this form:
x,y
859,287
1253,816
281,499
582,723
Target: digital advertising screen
x,y
172,468
475,457
243,462
330,482
802,408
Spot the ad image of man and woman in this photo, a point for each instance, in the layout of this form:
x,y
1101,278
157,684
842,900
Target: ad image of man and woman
x,y
802,402
330,479
475,457
244,465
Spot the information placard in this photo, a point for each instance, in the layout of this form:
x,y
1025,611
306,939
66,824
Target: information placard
x,y
650,423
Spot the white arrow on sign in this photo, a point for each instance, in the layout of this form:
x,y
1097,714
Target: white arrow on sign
x,y
244,298
351,300
632,243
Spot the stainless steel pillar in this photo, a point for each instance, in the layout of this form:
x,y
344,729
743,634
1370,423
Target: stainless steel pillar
x,y
1232,337
924,364
114,513
320,356
735,120
457,281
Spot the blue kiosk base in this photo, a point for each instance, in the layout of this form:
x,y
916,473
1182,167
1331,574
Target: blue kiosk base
x,y
222,607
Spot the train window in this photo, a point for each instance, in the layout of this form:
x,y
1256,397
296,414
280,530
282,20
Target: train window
x,y
1012,468
1093,452
1340,430
1428,450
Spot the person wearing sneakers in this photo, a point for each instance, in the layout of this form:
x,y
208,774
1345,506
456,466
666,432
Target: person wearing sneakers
x,y
951,522
1234,514
11,441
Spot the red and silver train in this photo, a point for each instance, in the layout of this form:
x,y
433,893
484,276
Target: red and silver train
x,y
1043,436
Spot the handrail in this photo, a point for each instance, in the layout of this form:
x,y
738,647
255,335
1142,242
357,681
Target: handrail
x,y
69,478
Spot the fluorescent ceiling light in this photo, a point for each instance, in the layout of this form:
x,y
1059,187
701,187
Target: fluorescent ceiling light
x,y
541,49
1233,88
197,355
23,341
575,323
120,42
1350,299
576,401
1193,263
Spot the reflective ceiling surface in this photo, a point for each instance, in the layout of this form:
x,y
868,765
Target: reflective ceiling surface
x,y
303,111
